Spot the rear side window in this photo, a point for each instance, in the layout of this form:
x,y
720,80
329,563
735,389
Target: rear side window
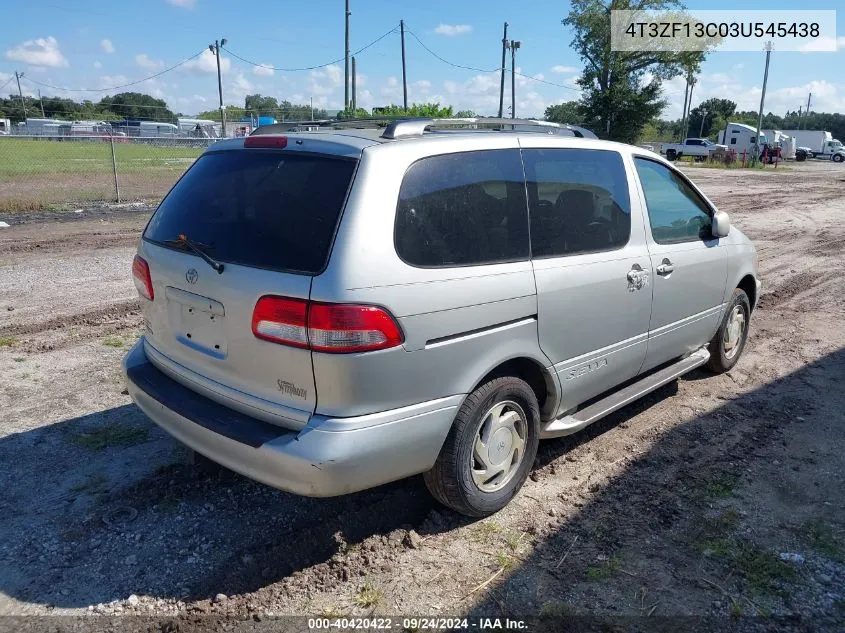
x,y
578,201
259,208
463,209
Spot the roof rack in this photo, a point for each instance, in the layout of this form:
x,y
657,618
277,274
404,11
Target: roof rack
x,y
395,128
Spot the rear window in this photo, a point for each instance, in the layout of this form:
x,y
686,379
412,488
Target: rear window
x,y
258,208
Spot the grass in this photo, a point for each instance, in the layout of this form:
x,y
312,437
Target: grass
x,y
369,596
557,610
504,560
7,341
721,485
18,359
605,569
169,503
94,485
761,569
113,341
823,539
111,435
488,529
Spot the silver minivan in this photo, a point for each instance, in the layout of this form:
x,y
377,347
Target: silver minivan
x,y
329,311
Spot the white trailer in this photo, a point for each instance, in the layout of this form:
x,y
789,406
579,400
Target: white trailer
x,y
785,142
42,127
154,129
818,143
5,127
741,138
198,128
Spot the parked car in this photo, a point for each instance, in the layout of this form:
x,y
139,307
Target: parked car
x,y
700,148
326,312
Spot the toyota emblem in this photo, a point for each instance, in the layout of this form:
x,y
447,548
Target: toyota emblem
x,y
191,276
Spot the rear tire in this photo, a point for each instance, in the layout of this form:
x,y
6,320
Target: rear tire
x,y
729,343
671,154
459,479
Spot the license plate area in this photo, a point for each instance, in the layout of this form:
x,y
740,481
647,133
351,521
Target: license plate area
x,y
197,322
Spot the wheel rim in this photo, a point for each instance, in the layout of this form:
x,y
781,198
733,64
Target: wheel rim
x,y
734,332
499,446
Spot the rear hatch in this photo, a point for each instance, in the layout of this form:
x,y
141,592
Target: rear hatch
x,y
268,216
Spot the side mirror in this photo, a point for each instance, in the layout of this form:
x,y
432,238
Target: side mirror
x,y
721,224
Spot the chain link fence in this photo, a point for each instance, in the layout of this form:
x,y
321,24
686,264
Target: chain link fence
x,y
44,172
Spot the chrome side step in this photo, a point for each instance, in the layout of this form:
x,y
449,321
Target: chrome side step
x,y
574,422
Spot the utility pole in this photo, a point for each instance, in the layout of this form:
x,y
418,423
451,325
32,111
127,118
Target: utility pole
x,y
41,101
311,99
404,72
514,46
20,92
762,101
684,111
689,107
354,100
701,127
346,66
502,84
809,96
215,50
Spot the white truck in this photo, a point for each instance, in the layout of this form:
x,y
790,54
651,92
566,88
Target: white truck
x,y
5,127
698,147
818,143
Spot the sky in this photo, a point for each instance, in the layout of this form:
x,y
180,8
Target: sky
x,y
85,49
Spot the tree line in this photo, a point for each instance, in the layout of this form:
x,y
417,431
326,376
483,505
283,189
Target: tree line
x,y
126,105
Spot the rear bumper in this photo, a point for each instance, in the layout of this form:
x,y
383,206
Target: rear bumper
x,y
330,456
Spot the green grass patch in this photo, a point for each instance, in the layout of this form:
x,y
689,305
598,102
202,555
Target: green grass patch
x,y
113,341
761,569
7,341
721,485
822,538
605,569
94,485
369,596
19,359
111,435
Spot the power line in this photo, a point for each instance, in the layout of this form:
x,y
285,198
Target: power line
x,y
8,81
292,70
446,61
543,81
126,85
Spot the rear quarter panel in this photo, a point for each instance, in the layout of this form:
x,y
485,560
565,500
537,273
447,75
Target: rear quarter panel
x,y
459,323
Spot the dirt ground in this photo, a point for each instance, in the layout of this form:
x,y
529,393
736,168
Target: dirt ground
x,y
679,505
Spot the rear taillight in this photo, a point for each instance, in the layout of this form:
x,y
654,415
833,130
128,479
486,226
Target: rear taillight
x,y
281,320
324,327
141,277
269,142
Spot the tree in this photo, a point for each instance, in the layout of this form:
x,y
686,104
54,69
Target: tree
x,y
424,110
715,113
621,88
260,105
566,112
135,105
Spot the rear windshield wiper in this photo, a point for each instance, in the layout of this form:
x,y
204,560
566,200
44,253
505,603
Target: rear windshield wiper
x,y
197,247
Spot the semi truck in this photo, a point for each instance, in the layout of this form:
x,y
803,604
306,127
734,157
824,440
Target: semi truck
x,y
818,143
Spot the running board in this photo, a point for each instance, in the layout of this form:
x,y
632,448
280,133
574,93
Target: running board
x,y
573,423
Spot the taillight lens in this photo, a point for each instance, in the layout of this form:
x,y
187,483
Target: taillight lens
x,y
281,320
141,277
351,328
324,327
269,142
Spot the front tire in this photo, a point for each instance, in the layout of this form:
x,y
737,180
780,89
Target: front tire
x,y
490,449
838,158
728,344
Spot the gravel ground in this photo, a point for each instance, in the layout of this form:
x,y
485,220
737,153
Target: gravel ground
x,y
681,504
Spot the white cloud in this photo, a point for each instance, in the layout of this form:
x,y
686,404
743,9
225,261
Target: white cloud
x,y
262,71
207,63
97,64
236,89
40,52
453,29
185,4
107,46
824,43
564,69
423,86
323,82
147,63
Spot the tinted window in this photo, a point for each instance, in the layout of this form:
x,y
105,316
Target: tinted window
x,y
258,208
463,209
675,211
578,201
733,141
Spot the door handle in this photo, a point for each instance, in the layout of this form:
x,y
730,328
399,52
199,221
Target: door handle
x,y
665,268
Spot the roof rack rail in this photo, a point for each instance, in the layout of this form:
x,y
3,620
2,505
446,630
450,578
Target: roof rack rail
x,y
416,127
397,127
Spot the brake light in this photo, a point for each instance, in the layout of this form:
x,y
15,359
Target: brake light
x,y
281,320
324,327
141,277
263,140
